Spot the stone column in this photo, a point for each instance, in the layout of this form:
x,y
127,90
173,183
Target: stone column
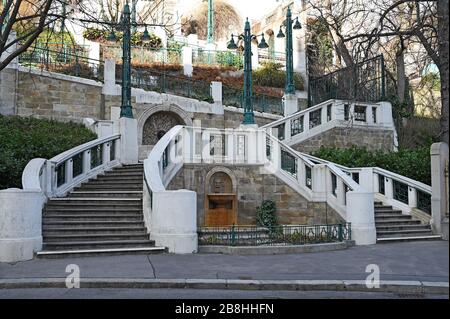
x,y
109,86
290,104
129,150
439,185
8,81
187,61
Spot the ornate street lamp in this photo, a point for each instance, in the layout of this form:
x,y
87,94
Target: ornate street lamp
x,y
290,87
247,37
125,26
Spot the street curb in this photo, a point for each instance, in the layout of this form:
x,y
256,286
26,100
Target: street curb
x,y
416,287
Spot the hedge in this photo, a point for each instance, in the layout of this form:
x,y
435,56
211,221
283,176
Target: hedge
x,y
412,163
22,139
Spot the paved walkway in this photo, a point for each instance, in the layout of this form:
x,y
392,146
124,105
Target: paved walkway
x,y
425,261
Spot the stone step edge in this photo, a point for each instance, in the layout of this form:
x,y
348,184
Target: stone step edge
x,y
98,250
94,198
408,238
421,287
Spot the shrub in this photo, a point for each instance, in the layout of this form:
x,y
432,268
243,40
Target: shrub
x,y
266,214
412,163
99,35
271,75
23,139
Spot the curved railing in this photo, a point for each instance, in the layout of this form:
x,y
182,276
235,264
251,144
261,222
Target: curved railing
x,y
58,175
399,191
315,120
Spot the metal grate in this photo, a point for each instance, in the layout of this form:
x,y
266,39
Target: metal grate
x,y
424,201
400,191
297,125
77,165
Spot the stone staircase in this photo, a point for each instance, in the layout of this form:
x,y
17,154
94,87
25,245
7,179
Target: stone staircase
x,y
393,225
102,216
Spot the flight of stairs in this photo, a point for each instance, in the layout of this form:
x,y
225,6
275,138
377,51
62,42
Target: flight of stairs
x,y
101,217
393,225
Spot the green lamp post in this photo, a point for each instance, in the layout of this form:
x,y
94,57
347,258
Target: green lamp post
x,y
247,37
125,26
210,36
290,87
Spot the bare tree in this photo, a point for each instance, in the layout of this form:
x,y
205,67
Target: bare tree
x,y
28,18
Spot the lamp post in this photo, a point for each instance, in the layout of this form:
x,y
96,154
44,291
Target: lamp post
x,y
247,37
210,36
125,26
290,86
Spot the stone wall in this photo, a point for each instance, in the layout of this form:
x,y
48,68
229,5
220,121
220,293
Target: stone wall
x,y
252,188
60,99
372,139
8,79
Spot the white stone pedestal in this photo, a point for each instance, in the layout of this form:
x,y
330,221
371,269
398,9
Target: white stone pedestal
x,y
129,149
290,104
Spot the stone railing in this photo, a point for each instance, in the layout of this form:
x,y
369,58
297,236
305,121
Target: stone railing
x,y
325,182
60,174
393,189
170,216
315,120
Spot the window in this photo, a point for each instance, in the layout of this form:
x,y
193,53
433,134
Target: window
x,y
333,184
360,113
308,178
315,118
297,126
381,184
329,112
374,114
346,112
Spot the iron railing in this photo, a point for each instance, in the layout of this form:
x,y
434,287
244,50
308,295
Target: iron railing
x,y
63,61
274,235
363,82
144,55
165,83
261,102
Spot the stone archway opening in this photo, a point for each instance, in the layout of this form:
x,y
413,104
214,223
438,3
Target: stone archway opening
x,y
158,124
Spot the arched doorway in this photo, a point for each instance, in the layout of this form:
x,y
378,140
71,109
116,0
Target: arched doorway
x,y
220,200
159,124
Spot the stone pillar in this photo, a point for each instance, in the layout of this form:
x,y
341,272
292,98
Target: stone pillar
x,y
21,224
290,104
216,91
360,213
187,61
129,150
8,81
109,76
439,184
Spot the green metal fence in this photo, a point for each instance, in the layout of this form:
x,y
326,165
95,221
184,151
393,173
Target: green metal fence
x,y
362,82
67,60
165,83
217,58
275,235
144,55
261,102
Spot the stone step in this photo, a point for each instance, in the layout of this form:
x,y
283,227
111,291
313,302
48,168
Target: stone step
x,y
49,211
113,179
382,207
71,245
388,210
383,216
90,223
128,169
99,252
107,194
97,237
395,222
383,228
403,233
64,218
114,187
94,230
408,238
113,182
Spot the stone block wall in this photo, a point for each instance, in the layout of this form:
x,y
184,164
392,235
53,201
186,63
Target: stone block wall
x,y
54,98
339,137
252,188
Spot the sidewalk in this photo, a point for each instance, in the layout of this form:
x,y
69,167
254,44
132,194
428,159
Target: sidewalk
x,y
407,261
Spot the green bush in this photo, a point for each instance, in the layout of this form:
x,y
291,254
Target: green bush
x,y
271,75
412,163
23,139
94,34
229,59
266,214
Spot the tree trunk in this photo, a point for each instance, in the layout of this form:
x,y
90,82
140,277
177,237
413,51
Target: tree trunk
x,y
401,76
443,34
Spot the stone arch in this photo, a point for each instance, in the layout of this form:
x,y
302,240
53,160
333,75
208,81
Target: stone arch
x,y
174,115
220,170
